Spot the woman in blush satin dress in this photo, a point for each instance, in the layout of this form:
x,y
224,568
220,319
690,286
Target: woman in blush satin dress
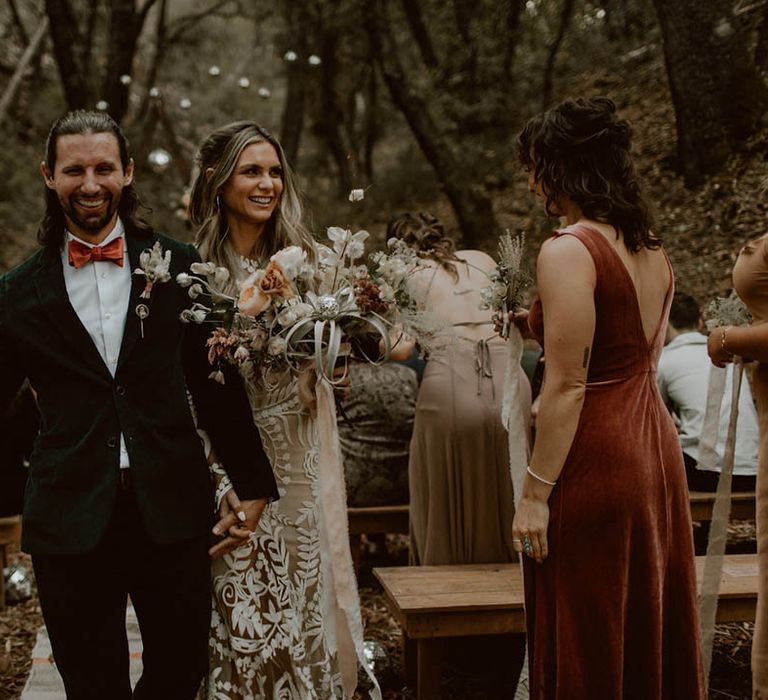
x,y
750,280
458,474
604,518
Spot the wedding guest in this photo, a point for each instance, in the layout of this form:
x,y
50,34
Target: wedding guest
x,y
118,499
461,499
683,379
460,485
750,280
278,628
375,431
604,520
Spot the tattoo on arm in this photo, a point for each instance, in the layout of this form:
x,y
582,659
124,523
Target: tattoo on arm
x,y
585,361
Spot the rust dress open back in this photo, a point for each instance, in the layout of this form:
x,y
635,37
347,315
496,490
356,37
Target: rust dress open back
x,y
612,612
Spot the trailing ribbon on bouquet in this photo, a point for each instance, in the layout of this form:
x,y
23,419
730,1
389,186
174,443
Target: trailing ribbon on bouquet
x,y
517,426
713,562
512,416
341,602
319,336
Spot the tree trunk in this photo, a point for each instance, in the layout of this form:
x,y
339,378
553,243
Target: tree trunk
x,y
470,202
566,13
716,89
331,117
761,46
292,122
161,40
90,30
65,38
512,23
123,34
418,26
27,57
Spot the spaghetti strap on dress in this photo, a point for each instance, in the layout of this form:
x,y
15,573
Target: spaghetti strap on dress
x,y
612,612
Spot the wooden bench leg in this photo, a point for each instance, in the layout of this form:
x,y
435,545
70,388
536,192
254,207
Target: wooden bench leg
x,y
429,668
410,659
356,548
2,577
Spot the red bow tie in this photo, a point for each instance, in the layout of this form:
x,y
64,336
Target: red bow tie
x,y
81,254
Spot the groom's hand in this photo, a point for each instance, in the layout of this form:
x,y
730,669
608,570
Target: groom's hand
x,y
238,530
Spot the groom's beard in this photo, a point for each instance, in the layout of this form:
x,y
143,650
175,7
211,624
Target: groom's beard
x,y
90,221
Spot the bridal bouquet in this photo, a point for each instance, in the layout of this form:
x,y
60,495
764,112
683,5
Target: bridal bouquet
x,y
508,281
290,314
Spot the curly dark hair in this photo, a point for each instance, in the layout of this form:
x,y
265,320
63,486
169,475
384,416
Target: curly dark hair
x,y
50,233
581,149
426,235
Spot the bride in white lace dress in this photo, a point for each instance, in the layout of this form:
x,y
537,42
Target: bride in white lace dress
x,y
277,630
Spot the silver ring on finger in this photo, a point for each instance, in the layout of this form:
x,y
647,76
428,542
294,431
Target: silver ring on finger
x,y
527,546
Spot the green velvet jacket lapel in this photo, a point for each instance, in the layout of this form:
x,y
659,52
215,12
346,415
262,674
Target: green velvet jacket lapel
x,y
52,293
132,332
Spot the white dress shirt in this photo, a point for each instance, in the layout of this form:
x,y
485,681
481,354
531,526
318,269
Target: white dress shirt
x,y
99,292
683,379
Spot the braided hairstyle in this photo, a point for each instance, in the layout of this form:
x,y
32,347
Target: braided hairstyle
x,y
426,235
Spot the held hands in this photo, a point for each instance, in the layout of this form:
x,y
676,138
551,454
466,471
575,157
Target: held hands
x,y
239,521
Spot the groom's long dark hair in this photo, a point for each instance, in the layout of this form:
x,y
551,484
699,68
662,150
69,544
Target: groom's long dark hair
x,y
50,233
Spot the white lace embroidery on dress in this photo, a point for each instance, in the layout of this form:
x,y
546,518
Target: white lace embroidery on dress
x,y
267,631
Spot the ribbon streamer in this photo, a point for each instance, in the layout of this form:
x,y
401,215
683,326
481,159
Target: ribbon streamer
x,y
713,563
512,416
517,425
342,620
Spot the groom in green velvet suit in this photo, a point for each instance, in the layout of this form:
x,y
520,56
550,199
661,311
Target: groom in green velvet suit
x,y
119,499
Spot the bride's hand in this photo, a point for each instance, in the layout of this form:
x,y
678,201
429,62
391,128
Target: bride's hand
x,y
239,532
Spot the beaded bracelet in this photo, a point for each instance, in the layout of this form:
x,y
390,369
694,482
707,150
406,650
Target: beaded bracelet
x,y
540,478
723,336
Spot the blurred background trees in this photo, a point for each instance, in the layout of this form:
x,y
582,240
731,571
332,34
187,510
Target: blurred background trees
x,y
418,101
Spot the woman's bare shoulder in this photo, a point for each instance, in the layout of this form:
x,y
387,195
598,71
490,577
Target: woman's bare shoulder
x,y
476,257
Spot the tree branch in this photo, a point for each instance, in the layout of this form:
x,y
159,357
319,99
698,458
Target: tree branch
x,y
565,19
418,26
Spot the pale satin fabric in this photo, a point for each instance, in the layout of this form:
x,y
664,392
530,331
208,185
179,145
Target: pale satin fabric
x,y
461,494
750,280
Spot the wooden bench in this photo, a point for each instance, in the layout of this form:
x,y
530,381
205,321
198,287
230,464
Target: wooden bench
x,y
373,520
434,602
10,533
742,505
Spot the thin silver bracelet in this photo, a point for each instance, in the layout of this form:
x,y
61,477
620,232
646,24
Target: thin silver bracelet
x,y
540,478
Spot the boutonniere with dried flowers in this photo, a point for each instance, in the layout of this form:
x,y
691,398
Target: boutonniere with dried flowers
x,y
155,266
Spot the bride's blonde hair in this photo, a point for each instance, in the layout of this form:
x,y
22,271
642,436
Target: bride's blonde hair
x,y
219,153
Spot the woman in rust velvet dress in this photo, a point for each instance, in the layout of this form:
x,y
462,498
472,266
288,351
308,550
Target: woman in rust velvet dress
x,y
603,516
750,280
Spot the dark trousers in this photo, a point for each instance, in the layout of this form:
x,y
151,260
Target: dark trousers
x,y
702,480
83,598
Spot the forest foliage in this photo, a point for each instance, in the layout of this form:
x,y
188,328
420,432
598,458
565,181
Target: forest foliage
x,y
417,101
